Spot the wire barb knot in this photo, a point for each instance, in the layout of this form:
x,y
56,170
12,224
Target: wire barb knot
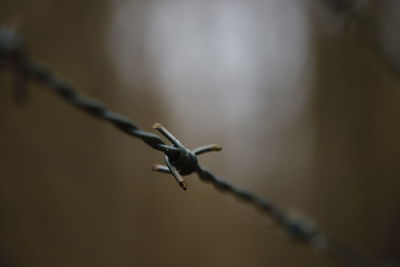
x,y
179,160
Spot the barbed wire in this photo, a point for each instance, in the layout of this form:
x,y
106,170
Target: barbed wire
x,y
179,160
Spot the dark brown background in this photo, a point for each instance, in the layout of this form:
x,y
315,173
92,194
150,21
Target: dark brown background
x,y
76,192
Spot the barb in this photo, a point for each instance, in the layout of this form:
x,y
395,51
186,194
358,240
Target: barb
x,y
179,160
186,162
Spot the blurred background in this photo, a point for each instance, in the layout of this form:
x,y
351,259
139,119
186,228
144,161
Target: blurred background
x,y
303,95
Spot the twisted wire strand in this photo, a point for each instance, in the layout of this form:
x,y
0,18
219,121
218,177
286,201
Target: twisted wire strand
x,y
95,108
12,50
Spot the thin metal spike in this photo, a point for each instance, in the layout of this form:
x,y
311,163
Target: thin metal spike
x,y
182,183
160,168
170,150
167,134
206,148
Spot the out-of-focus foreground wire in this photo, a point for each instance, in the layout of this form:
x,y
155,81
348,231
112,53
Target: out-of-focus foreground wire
x,y
179,160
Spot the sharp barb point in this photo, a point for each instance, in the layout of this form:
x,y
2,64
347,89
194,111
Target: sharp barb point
x,y
218,147
183,185
160,168
157,125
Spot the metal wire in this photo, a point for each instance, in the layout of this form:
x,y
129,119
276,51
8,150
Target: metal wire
x,y
180,161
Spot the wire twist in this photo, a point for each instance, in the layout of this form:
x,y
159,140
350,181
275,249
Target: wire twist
x,y
178,159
